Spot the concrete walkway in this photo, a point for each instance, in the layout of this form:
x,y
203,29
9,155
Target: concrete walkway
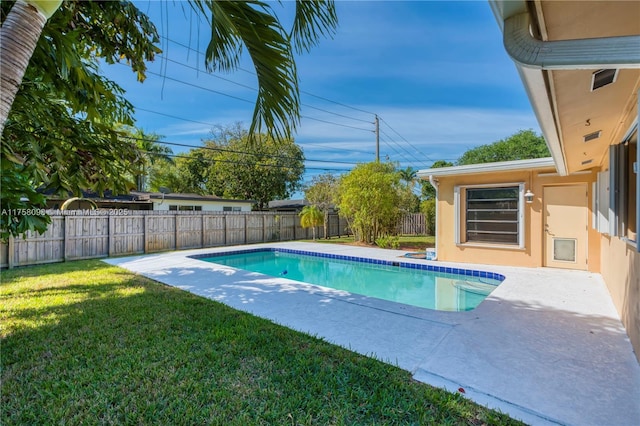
x,y
546,346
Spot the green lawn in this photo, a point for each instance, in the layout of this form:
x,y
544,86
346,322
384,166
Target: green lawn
x,y
88,343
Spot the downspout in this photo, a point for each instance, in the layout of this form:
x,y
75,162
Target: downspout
x,y
434,183
591,53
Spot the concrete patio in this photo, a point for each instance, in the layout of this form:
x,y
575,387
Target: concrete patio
x,y
546,346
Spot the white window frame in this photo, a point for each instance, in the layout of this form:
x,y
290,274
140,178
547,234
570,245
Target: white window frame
x,y
458,215
601,200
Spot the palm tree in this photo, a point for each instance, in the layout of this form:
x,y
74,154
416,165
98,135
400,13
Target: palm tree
x,y
251,24
408,175
19,35
311,217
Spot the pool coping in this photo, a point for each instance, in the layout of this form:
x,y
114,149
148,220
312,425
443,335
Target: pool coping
x,y
546,346
409,265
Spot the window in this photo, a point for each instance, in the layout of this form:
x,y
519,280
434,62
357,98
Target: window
x,y
623,183
491,214
601,203
186,208
231,209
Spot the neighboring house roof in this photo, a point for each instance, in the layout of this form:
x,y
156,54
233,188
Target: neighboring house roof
x,y
560,49
287,204
148,197
501,166
107,196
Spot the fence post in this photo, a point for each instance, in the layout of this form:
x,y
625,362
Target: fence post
x,y
145,230
10,252
202,230
65,241
244,216
110,238
224,228
175,229
295,225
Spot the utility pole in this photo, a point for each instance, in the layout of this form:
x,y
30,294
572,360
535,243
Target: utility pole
x,y
377,123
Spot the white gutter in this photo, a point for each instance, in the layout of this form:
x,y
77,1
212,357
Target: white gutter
x,y
434,183
591,53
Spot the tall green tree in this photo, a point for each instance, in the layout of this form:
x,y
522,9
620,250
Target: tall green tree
x,y
60,134
522,145
322,193
368,198
234,165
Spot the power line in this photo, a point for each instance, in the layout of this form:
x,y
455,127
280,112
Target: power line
x,y
213,161
210,148
246,100
401,137
412,158
401,147
253,74
213,125
395,150
255,90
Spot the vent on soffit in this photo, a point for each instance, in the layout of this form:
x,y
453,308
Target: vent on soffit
x,y
585,162
602,78
592,136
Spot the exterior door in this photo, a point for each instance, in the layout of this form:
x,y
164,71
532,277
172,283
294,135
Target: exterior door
x,y
566,226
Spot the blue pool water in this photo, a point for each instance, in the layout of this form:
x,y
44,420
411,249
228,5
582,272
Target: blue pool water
x,y
425,286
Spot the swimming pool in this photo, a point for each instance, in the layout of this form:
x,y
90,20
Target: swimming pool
x,y
422,285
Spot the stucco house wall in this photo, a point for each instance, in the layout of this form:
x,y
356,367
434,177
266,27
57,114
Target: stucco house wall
x,y
532,254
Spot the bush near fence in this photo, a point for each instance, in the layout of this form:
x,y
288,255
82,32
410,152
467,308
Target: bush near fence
x,y
74,235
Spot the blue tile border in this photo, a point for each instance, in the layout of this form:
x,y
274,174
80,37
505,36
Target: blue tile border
x,y
431,268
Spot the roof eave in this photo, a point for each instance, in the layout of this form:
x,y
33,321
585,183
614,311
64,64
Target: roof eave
x,y
502,166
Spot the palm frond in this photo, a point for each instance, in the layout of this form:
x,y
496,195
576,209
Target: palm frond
x,y
253,24
314,19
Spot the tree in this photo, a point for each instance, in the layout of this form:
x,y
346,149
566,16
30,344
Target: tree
x,y
321,193
310,217
368,198
150,152
255,25
408,175
76,109
522,145
232,165
19,35
60,135
234,24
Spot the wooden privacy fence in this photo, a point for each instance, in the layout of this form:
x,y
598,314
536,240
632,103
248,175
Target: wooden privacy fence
x,y
413,224
74,235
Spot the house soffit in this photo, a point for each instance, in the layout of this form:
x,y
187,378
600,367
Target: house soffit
x,y
579,110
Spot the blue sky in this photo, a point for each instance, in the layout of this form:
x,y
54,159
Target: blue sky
x,y
436,74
